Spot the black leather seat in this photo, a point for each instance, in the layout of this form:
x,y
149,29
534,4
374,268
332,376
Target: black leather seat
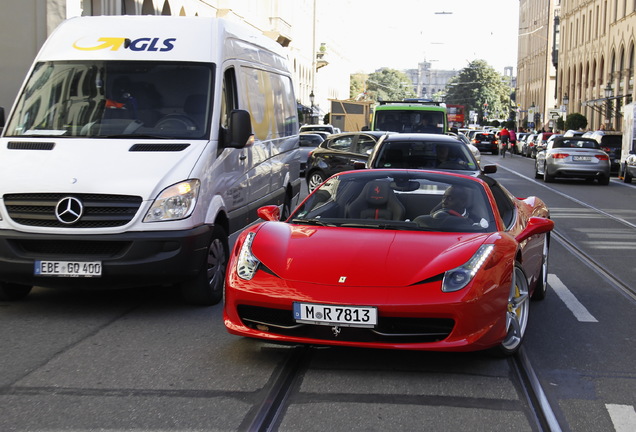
x,y
377,201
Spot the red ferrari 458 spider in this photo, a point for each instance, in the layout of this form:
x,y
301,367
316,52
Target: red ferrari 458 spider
x,y
397,259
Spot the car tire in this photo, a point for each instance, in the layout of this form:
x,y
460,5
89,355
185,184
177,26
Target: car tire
x,y
314,180
537,175
627,177
286,210
517,314
13,292
541,289
547,177
604,180
206,289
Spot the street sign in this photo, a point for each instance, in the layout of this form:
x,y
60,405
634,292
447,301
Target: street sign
x,y
554,113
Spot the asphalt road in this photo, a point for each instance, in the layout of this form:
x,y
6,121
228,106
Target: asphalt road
x,y
141,360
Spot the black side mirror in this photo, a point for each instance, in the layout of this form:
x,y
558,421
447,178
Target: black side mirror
x,y
239,130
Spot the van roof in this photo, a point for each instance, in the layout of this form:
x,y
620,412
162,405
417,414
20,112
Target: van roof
x,y
150,37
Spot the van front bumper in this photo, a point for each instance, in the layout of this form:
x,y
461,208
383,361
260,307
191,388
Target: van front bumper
x,y
127,260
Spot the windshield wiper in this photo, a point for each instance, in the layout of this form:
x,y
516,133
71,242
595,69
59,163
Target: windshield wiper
x,y
310,222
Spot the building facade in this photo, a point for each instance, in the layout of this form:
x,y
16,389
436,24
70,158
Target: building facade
x,y
576,56
596,58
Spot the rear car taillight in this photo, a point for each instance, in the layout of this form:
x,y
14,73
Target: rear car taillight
x,y
559,155
602,157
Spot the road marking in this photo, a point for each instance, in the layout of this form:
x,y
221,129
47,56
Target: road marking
x,y
570,300
623,417
604,213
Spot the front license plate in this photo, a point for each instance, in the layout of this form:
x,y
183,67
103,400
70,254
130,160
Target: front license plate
x,y
582,158
68,268
345,316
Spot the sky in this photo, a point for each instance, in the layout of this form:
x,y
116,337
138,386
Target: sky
x,y
401,33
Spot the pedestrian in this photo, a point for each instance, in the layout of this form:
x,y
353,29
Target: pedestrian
x,y
504,138
513,141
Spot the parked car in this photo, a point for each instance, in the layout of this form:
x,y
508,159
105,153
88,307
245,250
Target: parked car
x,y
573,157
425,151
307,142
339,153
521,138
527,145
486,142
540,143
611,143
394,259
629,168
318,127
573,133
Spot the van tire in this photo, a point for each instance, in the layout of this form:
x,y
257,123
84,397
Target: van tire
x,y
206,289
12,292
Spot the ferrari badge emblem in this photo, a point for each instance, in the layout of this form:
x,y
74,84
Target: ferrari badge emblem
x,y
342,279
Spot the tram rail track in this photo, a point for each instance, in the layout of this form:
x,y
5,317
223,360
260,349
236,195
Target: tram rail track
x,y
270,411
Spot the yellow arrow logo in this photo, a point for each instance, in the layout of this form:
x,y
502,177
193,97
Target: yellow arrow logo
x,y
113,43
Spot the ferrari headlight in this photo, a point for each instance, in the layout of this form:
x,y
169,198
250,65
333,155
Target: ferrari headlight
x,y
174,203
247,263
459,277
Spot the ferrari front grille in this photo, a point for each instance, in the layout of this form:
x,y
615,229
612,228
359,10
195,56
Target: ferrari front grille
x,y
389,329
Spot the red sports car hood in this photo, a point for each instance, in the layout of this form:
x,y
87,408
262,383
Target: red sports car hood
x,y
365,257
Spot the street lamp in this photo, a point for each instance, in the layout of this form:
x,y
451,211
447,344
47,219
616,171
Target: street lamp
x,y
609,93
312,98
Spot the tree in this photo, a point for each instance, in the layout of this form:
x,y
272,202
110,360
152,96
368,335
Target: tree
x,y
357,86
482,89
389,84
575,121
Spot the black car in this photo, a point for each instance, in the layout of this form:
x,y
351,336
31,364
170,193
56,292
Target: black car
x,y
486,142
339,152
307,142
426,151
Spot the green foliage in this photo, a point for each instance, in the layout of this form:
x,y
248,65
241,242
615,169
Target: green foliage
x,y
560,124
575,121
389,84
479,84
357,85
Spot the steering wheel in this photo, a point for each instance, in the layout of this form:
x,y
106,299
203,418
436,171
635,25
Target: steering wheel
x,y
176,122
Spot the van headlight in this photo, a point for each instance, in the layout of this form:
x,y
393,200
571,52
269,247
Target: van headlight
x,y
459,277
175,202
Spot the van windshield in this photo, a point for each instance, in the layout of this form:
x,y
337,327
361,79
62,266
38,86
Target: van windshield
x,y
115,99
421,121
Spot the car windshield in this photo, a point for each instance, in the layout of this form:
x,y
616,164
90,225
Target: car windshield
x,y
422,121
398,200
425,155
115,99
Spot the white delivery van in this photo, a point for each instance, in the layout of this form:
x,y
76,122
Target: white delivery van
x,y
136,146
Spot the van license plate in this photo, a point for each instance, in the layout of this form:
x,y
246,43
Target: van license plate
x,y
68,268
345,316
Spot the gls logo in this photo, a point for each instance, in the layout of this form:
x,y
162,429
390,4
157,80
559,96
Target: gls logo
x,y
115,43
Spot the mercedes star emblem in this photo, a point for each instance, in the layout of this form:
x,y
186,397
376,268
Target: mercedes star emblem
x,y
69,210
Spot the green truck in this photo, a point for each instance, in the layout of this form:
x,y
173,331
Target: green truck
x,y
410,115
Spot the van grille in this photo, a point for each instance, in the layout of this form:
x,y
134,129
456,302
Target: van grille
x,y
99,211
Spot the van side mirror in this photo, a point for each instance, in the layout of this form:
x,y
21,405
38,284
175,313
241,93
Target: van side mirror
x,y
239,130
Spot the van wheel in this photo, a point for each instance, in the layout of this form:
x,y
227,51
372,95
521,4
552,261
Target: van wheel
x,y
12,292
206,289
